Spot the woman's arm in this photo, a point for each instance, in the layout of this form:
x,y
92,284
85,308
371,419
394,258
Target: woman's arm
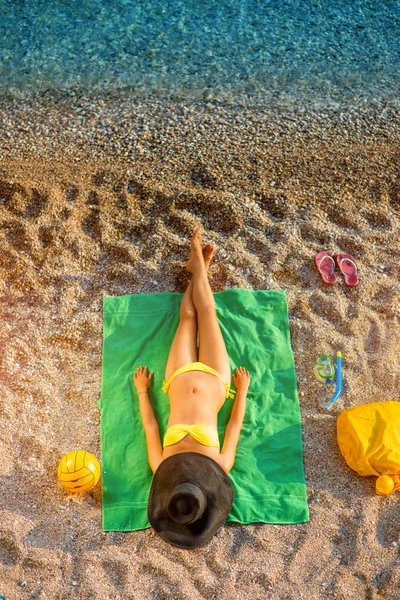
x,y
227,456
142,382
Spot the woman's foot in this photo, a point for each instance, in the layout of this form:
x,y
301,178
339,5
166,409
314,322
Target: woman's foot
x,y
196,260
208,252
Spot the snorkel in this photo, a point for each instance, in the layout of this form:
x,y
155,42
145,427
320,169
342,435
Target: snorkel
x,y
338,381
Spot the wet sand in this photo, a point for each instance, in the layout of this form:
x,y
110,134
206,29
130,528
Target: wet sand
x,y
99,197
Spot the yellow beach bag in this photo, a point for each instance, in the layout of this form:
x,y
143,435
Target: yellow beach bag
x,y
369,439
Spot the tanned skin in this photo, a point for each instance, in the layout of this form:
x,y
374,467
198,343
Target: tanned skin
x,y
195,396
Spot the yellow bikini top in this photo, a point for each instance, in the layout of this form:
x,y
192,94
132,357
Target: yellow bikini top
x,y
204,434
199,366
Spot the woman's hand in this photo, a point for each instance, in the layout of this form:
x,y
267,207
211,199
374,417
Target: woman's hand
x,y
241,379
142,380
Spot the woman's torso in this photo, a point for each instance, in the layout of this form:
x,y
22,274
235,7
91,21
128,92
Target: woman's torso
x,y
195,397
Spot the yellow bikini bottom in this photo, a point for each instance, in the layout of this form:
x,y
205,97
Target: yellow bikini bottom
x,y
204,434
199,366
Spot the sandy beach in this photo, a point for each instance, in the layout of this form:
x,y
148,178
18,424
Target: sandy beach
x,y
99,197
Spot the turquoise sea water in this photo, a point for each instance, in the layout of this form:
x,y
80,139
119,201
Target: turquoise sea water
x,y
228,50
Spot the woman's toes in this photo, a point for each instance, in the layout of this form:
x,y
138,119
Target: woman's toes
x,y
196,239
208,252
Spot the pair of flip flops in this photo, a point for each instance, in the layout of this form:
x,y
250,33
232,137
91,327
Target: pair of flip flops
x,y
346,263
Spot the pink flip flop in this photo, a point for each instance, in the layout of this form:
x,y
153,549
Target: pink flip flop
x,y
347,265
326,265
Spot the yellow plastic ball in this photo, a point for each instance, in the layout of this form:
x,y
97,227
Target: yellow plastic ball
x,y
78,471
384,484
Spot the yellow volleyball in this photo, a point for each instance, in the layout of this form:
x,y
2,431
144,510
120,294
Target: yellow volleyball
x,y
78,471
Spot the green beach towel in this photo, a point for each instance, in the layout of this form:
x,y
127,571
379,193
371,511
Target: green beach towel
x,y
268,476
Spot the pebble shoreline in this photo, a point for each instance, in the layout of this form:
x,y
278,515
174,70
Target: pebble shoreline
x,y
125,128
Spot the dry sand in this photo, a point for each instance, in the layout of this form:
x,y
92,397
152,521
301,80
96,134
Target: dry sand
x,y
99,197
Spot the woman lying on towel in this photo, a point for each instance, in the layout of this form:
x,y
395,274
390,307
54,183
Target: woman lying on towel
x,y
191,495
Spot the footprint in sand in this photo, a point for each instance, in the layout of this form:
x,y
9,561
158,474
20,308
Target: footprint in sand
x,y
48,235
309,233
340,217
182,223
260,247
37,205
217,567
394,195
262,580
14,197
388,528
164,578
71,193
20,203
180,276
202,176
107,178
352,312
93,198
137,188
348,244
122,202
122,253
100,178
384,301
373,339
117,572
276,207
220,215
118,186
243,537
10,554
162,202
204,588
378,220
326,308
91,225
383,579
276,234
18,236
345,543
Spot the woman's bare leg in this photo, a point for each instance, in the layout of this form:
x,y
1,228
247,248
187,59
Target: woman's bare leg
x,y
212,349
184,345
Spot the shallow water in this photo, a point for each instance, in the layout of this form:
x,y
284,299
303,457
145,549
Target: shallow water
x,y
232,50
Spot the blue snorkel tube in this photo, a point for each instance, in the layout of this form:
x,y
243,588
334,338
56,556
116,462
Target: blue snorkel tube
x,y
338,381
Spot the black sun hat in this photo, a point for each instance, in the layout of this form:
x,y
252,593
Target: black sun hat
x,y
190,498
